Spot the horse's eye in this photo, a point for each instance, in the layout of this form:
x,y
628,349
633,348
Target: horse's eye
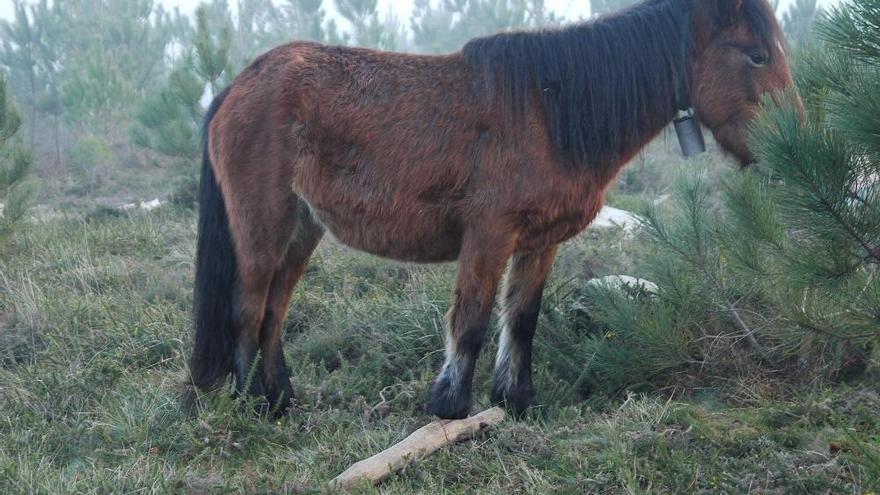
x,y
757,58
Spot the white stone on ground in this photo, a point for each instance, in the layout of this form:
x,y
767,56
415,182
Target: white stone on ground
x,y
151,205
143,205
610,218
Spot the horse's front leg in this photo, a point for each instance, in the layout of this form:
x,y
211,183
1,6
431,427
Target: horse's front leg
x,y
481,266
523,289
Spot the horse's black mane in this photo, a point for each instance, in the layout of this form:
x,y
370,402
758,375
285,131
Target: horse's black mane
x,y
605,81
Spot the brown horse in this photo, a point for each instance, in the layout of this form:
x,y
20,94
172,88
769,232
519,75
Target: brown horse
x,y
497,153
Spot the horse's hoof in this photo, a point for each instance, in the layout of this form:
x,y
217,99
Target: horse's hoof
x,y
249,386
280,399
280,411
268,406
517,401
447,403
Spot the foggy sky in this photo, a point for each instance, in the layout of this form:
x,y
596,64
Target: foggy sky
x,y
572,9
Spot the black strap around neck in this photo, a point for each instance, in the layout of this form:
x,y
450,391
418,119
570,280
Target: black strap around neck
x,y
682,93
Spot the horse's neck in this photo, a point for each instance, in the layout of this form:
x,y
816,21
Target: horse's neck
x,y
608,86
643,76
639,132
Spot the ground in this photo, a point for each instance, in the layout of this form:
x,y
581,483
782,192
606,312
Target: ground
x,y
95,318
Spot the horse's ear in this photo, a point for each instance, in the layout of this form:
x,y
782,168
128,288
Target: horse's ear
x,y
728,11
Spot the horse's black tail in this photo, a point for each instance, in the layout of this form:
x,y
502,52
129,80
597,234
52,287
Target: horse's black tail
x,y
216,273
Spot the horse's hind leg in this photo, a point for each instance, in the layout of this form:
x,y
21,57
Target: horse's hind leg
x,y
262,226
481,266
276,381
254,283
272,254
523,289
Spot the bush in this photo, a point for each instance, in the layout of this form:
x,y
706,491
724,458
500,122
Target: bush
x,y
15,164
87,157
780,267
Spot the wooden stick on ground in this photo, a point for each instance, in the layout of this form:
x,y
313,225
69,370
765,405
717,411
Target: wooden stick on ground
x,y
422,443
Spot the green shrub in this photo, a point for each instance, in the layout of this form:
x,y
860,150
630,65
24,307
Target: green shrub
x,y
87,157
780,267
15,164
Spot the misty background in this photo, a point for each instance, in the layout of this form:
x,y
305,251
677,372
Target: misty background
x,y
568,9
112,93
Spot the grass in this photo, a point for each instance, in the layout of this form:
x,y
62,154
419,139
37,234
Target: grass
x,y
95,323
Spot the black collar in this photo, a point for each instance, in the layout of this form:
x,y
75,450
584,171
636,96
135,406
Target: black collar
x,y
682,93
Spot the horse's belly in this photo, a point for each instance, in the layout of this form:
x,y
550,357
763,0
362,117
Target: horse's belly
x,y
541,230
384,207
413,236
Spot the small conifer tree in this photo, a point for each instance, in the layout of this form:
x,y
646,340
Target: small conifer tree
x,y
781,267
798,21
443,27
212,52
15,163
169,121
600,7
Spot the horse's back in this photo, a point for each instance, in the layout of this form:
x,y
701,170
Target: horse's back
x,y
397,155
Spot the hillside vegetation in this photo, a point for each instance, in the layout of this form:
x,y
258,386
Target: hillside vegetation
x,y
96,314
751,368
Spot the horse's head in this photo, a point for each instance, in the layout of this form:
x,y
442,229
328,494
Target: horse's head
x,y
738,55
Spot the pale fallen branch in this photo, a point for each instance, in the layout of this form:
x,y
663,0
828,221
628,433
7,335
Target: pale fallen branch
x,y
422,443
